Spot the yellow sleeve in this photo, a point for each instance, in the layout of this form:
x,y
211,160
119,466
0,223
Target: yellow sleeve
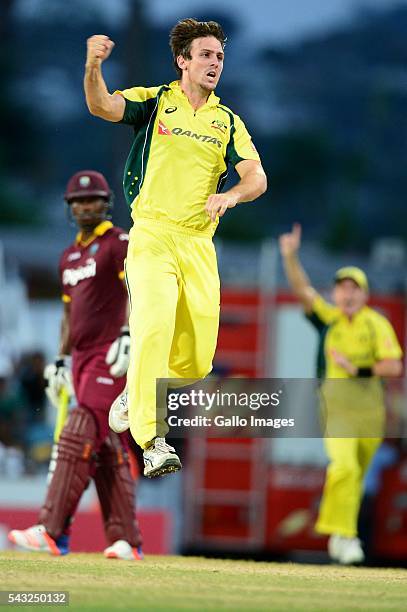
x,y
240,145
138,94
139,104
325,312
387,345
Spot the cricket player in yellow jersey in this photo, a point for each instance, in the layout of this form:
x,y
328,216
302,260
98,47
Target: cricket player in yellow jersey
x,y
357,344
184,141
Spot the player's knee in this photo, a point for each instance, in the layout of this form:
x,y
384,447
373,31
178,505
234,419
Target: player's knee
x,y
348,471
190,371
111,453
153,333
78,437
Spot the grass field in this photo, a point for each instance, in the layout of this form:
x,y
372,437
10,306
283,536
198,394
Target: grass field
x,y
190,583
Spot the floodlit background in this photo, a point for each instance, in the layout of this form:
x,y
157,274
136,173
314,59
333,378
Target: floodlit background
x,y
322,88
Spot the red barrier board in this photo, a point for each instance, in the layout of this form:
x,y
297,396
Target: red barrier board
x,y
390,519
87,530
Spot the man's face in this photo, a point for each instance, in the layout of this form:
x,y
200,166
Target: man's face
x,y
88,211
206,63
349,297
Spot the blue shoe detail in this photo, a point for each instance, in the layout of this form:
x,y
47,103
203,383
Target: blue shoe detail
x,y
63,544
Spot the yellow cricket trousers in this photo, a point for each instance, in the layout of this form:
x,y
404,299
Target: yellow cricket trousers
x,y
349,461
174,292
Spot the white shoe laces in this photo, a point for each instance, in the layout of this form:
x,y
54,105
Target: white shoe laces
x,y
161,445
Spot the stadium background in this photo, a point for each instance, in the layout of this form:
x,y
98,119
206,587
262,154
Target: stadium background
x,y
322,89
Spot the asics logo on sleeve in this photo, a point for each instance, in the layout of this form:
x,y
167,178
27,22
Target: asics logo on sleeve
x,y
72,276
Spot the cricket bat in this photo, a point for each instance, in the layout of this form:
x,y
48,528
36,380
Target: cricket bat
x,y
62,413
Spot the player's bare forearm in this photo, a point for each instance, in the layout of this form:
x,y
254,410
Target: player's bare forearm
x,y
391,368
97,95
65,342
98,99
252,184
297,277
298,280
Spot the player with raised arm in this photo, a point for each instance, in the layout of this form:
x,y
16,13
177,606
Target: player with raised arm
x,y
184,141
94,332
357,344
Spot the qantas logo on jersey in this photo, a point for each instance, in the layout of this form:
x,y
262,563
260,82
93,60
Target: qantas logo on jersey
x,y
177,131
73,276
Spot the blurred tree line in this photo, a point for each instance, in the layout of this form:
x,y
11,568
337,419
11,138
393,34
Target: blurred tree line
x,y
339,165
335,161
18,136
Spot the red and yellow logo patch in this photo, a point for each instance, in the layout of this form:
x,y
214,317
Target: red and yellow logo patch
x,y
162,129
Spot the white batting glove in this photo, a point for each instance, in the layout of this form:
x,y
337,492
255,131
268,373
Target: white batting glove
x,y
58,375
118,355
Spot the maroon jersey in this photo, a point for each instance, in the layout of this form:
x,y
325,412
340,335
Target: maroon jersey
x,y
91,278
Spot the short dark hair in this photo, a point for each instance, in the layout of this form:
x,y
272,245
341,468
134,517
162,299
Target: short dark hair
x,y
184,33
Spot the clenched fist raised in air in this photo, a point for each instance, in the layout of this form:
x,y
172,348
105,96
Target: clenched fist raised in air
x,y
100,102
99,48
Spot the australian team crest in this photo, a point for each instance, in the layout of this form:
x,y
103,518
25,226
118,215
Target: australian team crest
x,y
94,249
219,125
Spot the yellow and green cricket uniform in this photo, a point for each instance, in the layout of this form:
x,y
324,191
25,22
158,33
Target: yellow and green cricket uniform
x,y
179,157
356,405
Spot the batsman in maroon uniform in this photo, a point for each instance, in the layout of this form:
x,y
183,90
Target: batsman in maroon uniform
x,y
94,333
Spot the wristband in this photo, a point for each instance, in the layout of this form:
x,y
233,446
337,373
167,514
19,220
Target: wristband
x,y
364,372
60,361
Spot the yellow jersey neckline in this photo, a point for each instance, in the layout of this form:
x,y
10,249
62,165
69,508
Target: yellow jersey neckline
x,y
360,313
212,100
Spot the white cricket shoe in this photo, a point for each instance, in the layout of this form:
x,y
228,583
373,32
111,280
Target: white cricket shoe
x,y
119,414
347,551
122,550
36,538
335,547
352,552
160,458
